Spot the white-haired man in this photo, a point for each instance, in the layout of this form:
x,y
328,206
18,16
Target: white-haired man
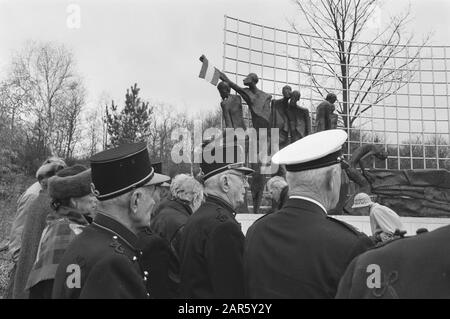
x,y
105,260
212,244
300,252
169,221
278,190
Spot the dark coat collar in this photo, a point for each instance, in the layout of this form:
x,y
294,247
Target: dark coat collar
x,y
177,203
114,227
219,201
306,206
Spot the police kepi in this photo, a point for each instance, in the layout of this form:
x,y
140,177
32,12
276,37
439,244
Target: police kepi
x,y
299,251
104,260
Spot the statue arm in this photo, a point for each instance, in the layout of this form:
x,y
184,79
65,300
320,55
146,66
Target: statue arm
x,y
235,87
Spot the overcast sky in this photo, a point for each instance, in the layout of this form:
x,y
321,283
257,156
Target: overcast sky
x,y
157,43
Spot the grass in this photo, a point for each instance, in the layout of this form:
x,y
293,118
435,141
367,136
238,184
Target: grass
x,y
11,187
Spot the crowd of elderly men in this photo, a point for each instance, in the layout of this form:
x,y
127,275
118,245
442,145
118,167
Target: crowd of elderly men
x,y
114,231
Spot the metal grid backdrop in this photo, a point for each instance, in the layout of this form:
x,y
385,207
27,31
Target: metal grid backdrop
x,y
412,124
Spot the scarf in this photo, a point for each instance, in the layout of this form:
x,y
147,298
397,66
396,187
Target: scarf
x,y
63,226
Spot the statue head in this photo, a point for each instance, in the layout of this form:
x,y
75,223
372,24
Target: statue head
x,y
251,79
287,92
331,97
295,96
224,89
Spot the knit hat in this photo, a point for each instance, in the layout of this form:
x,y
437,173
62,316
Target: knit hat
x,y
71,182
362,200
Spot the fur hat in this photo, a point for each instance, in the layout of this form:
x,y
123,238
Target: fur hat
x,y
71,182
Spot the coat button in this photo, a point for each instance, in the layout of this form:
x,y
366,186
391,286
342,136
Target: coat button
x,y
148,295
146,273
114,237
145,278
134,258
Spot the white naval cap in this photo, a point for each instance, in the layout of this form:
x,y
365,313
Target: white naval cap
x,y
313,151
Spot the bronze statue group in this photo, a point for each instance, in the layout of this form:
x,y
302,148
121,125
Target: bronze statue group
x,y
109,231
292,121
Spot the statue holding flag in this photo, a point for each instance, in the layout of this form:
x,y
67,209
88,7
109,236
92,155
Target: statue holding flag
x,y
209,72
231,104
258,101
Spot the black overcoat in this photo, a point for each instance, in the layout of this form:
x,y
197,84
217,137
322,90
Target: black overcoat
x,y
299,252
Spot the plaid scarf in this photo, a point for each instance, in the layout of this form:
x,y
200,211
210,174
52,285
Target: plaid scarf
x,y
63,226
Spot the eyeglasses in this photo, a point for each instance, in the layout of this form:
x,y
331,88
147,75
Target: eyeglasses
x,y
243,177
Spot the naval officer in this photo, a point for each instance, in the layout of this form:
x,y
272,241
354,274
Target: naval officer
x,y
212,243
299,251
104,261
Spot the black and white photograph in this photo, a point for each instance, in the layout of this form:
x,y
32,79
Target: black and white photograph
x,y
224,154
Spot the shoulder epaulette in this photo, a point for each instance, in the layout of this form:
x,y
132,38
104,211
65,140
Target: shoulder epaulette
x,y
221,216
344,224
118,248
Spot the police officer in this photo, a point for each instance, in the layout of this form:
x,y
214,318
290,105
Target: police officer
x,y
299,251
409,268
104,260
212,243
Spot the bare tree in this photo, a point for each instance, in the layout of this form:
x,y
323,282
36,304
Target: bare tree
x,y
367,71
212,119
165,121
70,118
11,104
95,127
44,74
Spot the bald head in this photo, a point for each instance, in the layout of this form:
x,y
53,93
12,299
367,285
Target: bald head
x,y
331,97
224,89
251,80
287,92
